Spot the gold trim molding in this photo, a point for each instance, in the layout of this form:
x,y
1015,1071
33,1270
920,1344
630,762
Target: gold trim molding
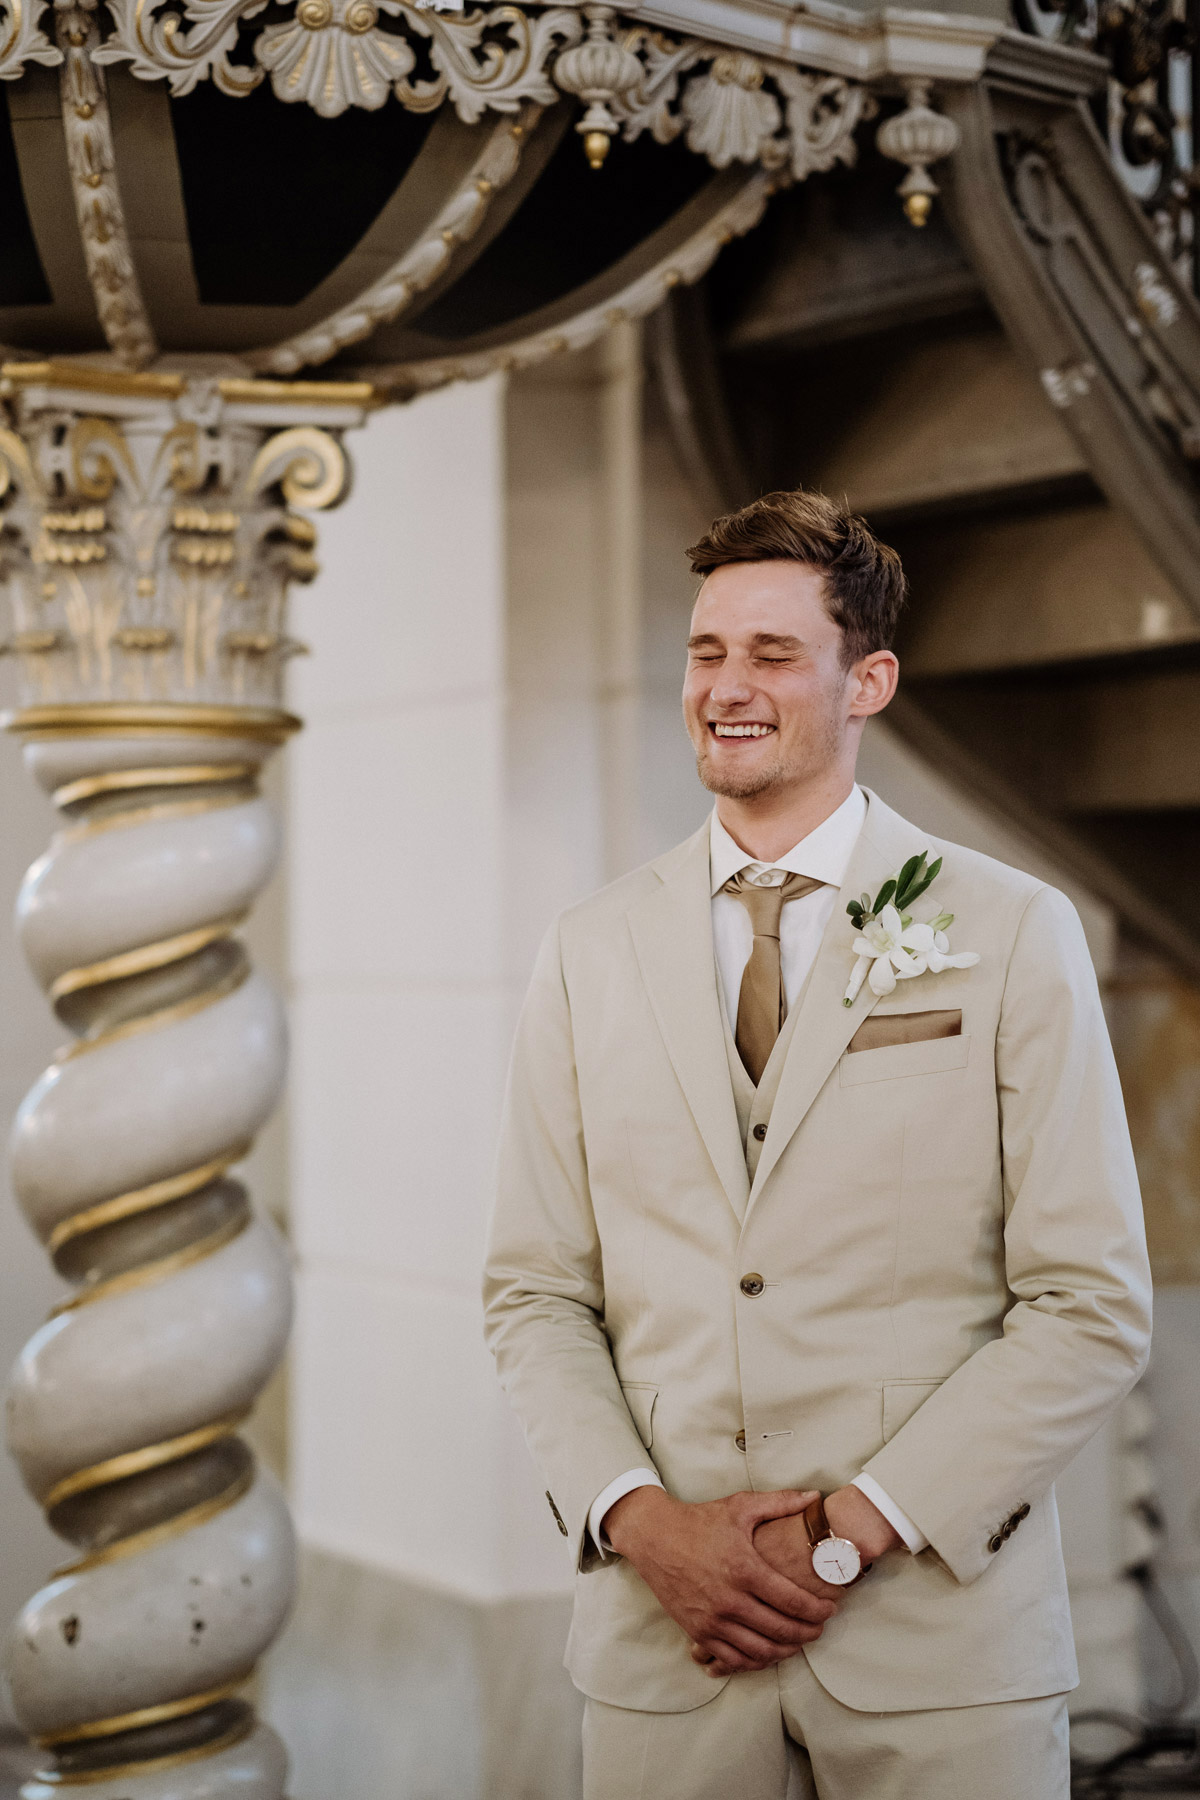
x,y
147,956
143,1716
179,1526
136,1462
117,718
129,384
155,1765
170,775
139,1200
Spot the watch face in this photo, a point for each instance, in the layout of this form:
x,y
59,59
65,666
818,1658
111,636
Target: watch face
x,y
837,1561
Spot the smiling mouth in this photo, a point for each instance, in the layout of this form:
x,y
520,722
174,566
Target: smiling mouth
x,y
720,729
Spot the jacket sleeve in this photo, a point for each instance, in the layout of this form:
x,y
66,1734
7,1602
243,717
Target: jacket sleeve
x,y
544,1280
995,1435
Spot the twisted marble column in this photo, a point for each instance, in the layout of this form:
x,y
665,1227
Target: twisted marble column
x,y
148,614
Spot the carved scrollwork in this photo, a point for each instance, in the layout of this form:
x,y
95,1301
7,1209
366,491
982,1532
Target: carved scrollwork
x,y
335,53
823,113
22,39
728,106
308,465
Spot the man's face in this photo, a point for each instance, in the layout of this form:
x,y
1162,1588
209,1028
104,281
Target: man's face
x,y
766,698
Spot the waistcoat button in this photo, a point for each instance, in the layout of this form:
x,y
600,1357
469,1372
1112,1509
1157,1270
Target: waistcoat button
x,y
740,1440
752,1285
760,1132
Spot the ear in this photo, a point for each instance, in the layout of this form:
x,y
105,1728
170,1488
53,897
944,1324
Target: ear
x,y
873,681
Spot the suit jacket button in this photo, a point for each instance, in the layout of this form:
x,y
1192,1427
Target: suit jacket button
x,y
740,1440
1008,1527
752,1285
760,1132
994,1543
1022,1512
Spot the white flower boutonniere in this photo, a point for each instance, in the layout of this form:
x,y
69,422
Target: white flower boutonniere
x,y
890,947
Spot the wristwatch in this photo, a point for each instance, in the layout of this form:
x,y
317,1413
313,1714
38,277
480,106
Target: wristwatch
x,y
835,1559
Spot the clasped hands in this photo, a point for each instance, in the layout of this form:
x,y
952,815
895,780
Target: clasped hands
x,y
736,1574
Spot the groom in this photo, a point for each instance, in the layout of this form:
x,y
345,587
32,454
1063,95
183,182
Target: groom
x,y
817,1251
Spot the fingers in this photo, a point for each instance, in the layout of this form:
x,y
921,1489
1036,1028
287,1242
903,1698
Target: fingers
x,y
754,1508
776,1627
736,1649
795,1602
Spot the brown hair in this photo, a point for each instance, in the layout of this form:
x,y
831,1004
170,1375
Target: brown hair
x,y
865,587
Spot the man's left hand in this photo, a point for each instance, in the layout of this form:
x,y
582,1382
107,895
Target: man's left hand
x,y
784,1544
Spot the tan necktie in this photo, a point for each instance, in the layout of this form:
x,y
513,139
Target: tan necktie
x,y
762,1002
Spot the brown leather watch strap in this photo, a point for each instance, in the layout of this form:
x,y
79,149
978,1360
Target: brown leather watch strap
x,y
815,1522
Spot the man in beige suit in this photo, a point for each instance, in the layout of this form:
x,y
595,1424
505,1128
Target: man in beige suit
x,y
817,1251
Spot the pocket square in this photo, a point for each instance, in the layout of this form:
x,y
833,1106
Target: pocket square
x,y
906,1028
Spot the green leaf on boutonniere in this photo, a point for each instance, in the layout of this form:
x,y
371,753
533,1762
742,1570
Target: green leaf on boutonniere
x,y
914,878
908,873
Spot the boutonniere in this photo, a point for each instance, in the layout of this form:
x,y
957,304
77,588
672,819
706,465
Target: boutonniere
x,y
889,946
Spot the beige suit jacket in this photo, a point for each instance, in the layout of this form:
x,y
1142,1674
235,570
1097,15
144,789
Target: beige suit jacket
x,y
949,1233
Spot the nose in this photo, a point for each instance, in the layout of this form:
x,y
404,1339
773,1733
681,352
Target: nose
x,y
732,686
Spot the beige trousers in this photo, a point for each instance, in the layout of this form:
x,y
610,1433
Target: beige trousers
x,y
777,1735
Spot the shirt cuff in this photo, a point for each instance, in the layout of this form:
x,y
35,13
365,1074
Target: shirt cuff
x,y
899,1521
608,1497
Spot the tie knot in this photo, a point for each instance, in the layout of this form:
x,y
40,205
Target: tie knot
x,y
765,904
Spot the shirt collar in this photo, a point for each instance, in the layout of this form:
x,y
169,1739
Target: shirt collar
x,y
824,854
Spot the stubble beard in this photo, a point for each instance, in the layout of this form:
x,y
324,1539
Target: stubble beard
x,y
817,751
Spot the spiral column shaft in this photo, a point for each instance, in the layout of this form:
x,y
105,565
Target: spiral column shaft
x,y
123,1408
151,527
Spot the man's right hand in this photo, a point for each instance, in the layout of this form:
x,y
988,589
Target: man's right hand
x,y
700,1563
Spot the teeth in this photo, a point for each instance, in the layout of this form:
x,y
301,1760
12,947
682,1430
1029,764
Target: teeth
x,y
744,730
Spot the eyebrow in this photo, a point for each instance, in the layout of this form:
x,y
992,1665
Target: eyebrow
x,y
781,641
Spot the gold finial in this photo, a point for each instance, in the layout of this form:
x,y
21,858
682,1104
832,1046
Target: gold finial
x,y
918,207
595,148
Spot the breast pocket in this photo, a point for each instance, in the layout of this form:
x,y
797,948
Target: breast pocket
x,y
930,1057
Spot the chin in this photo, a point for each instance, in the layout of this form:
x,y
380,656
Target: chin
x,y
737,784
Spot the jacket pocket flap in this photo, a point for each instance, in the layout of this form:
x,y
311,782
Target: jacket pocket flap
x,y
901,1399
925,1058
639,1398
882,1030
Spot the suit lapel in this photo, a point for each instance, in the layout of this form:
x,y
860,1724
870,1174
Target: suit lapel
x,y
672,935
825,1025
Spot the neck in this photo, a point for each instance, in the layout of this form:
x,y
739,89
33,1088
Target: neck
x,y
767,826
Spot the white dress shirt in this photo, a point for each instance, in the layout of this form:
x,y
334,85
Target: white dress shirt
x,y
825,855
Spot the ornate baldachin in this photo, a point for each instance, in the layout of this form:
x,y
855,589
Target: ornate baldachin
x,y
333,54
